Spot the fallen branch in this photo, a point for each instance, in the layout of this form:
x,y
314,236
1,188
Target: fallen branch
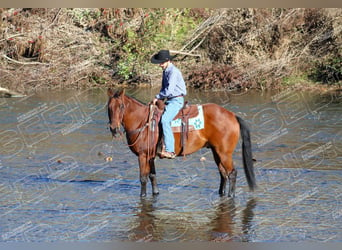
x,y
21,34
24,63
201,32
184,53
53,20
9,93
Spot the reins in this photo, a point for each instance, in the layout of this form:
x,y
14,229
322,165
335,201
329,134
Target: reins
x,y
141,129
150,122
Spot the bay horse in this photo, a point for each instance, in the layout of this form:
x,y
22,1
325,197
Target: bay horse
x,y
221,133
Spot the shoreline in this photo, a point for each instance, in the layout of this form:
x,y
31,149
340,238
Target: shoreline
x,y
6,92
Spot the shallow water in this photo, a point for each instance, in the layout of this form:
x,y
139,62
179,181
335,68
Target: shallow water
x,y
55,184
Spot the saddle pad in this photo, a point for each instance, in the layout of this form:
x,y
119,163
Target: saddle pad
x,y
195,123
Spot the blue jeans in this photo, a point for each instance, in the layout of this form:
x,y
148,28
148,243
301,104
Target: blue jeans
x,y
171,110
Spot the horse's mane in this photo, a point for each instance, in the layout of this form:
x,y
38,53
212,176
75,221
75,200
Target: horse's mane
x,y
136,100
117,94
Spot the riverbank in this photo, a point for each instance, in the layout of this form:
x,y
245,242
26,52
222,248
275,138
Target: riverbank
x,y
214,48
301,86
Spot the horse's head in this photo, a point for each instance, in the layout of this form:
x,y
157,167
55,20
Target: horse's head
x,y
116,108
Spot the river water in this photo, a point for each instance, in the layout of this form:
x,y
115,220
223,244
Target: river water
x,y
58,184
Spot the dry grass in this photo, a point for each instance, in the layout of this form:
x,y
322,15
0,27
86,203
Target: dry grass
x,y
49,51
268,45
42,48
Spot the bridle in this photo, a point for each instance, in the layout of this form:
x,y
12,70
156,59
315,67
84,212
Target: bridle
x,y
116,129
139,130
148,126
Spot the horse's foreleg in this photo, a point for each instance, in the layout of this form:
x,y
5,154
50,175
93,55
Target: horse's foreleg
x,y
144,172
153,177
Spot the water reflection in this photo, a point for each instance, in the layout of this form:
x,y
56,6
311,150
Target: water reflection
x,y
221,223
247,220
144,224
224,223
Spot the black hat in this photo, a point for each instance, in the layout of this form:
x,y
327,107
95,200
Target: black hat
x,y
161,57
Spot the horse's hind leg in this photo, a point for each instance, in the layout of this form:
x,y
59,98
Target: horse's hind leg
x,y
153,177
232,182
227,172
227,162
223,182
223,173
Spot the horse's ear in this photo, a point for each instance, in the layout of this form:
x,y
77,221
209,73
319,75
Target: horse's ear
x,y
110,92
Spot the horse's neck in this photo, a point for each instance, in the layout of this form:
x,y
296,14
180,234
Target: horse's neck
x,y
135,114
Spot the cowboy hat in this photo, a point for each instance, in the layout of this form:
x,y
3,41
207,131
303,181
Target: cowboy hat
x,y
161,57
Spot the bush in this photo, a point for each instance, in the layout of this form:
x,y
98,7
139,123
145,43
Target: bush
x,y
225,48
135,34
218,77
273,44
329,71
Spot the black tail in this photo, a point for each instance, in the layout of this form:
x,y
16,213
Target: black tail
x,y
247,153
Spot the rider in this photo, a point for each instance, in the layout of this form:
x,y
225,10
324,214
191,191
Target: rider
x,y
173,90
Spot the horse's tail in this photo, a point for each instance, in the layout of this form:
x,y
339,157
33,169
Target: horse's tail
x,y
247,153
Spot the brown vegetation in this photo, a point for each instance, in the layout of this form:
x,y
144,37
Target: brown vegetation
x,y
269,45
219,77
45,48
234,48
